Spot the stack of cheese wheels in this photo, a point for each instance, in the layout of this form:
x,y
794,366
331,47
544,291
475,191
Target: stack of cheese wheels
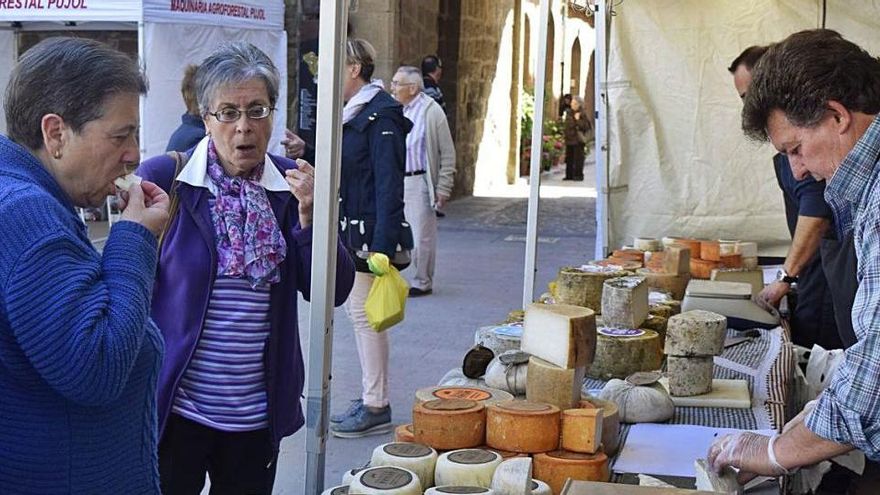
x,y
622,352
610,422
583,286
336,490
443,490
693,338
466,467
554,468
447,424
416,457
582,430
386,480
483,395
522,426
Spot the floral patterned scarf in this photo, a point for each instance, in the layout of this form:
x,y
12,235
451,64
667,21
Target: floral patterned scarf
x,y
249,242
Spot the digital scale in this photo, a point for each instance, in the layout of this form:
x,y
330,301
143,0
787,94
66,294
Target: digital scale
x,y
730,299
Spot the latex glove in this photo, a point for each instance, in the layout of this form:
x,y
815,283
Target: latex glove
x,y
747,451
771,295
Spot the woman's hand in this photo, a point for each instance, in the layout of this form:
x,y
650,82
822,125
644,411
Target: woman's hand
x,y
146,204
302,186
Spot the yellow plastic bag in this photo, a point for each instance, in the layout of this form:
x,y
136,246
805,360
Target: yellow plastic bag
x,y
386,301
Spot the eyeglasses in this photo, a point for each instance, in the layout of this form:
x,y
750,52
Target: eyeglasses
x,y
232,114
395,84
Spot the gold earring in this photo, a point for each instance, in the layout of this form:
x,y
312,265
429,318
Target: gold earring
x,y
57,154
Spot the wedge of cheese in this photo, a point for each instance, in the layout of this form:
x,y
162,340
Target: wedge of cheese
x,y
561,334
677,260
550,384
625,302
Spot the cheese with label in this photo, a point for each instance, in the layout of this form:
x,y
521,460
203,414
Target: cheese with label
x,y
468,467
672,283
625,302
581,287
418,458
443,490
522,426
702,269
447,424
541,488
385,480
647,244
551,384
689,376
695,333
513,477
582,430
619,357
404,433
483,395
562,334
677,260
336,490
554,468
610,422
710,481
755,278
348,476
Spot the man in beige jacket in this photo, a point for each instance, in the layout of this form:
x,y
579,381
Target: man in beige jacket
x,y
430,169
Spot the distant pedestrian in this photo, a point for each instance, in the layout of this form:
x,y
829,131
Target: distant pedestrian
x,y
371,214
236,253
432,71
577,128
191,129
430,171
79,355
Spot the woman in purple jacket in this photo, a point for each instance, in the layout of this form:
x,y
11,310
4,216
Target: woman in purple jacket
x,y
235,253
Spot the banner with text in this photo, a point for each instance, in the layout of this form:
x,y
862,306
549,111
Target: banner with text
x,y
70,10
251,14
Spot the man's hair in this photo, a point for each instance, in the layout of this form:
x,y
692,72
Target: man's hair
x,y
749,57
430,63
188,89
70,77
802,73
413,75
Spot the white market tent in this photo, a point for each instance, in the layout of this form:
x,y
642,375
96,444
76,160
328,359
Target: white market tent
x,y
171,35
677,161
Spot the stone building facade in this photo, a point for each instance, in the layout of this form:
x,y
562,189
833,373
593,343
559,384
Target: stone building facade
x,y
489,50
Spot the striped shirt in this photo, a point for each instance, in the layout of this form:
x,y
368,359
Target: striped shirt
x,y
416,148
224,386
848,411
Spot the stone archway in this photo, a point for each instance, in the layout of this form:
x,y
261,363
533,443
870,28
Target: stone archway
x,y
575,64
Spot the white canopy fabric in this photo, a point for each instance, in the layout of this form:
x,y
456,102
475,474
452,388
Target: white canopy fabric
x,y
679,164
174,33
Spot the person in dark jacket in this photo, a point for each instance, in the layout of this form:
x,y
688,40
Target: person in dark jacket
x,y
575,128
236,252
372,221
192,127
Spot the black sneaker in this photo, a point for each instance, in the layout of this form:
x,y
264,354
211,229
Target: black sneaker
x,y
352,409
416,292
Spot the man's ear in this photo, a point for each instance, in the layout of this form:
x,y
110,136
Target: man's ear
x,y
53,128
843,118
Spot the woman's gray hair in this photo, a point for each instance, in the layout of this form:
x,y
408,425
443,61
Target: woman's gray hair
x,y
70,77
235,63
413,75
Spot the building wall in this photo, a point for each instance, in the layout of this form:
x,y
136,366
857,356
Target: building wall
x,y
419,30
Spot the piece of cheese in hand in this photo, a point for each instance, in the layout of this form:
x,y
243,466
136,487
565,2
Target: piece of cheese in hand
x,y
695,333
624,302
513,477
708,480
127,181
562,334
386,480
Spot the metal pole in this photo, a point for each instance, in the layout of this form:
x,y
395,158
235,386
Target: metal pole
x,y
535,163
328,142
600,78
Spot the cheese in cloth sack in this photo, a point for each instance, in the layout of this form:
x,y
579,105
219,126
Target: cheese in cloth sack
x,y
386,301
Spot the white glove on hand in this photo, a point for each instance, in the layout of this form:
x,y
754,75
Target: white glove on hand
x,y
750,452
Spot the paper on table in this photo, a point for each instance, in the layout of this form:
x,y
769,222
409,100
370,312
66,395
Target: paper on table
x,y
668,450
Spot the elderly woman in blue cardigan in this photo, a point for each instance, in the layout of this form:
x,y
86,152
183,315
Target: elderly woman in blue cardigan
x,y
237,251
79,355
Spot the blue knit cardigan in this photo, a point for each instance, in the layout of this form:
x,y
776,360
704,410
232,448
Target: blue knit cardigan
x,y
79,355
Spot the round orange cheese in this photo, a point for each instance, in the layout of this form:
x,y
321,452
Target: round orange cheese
x,y
484,395
554,468
404,433
522,426
449,424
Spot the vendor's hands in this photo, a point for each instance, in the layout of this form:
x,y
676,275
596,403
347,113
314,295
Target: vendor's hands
x,y
302,186
294,146
746,451
146,204
771,295
441,200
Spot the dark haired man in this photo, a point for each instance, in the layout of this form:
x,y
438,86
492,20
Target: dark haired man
x,y
816,98
432,71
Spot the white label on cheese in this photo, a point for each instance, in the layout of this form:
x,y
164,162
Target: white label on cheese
x,y
386,480
467,467
458,489
621,332
418,458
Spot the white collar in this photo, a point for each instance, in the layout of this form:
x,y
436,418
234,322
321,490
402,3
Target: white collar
x,y
195,173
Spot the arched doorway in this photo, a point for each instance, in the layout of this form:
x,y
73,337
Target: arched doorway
x,y
528,71
575,64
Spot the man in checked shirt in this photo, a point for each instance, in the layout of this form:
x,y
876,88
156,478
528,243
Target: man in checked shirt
x,y
816,98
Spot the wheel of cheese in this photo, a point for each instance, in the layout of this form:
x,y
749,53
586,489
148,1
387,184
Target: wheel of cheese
x,y
416,457
550,384
702,269
619,357
404,433
582,430
647,244
689,376
541,488
386,480
466,467
616,264
348,476
505,454
583,286
513,477
610,422
483,395
499,338
554,468
336,490
522,426
447,424
695,333
443,490
672,283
